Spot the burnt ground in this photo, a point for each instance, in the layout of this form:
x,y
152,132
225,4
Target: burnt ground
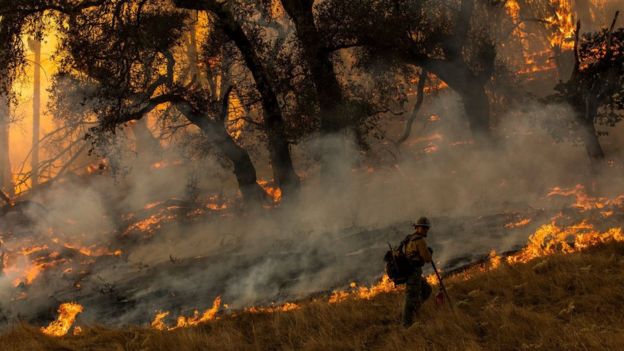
x,y
119,290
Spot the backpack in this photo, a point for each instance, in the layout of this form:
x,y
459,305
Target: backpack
x,y
398,266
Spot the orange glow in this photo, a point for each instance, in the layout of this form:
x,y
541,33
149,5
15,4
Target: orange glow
x,y
494,260
518,224
289,306
93,251
385,285
584,202
273,191
550,239
165,164
64,321
185,322
562,25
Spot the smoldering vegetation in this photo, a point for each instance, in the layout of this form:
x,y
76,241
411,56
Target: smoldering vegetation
x,y
325,238
169,222
556,303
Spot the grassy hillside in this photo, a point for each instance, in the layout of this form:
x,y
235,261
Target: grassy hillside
x,y
563,302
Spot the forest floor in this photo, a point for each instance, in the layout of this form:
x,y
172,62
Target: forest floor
x,y
560,302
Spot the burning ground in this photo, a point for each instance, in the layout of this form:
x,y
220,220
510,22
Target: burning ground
x,y
570,302
220,164
146,271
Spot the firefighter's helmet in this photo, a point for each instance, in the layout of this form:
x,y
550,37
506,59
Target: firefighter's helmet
x,y
423,222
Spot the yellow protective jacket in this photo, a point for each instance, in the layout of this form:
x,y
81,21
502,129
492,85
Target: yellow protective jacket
x,y
416,249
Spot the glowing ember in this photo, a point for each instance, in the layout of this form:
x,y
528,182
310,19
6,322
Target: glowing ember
x,y
93,251
273,191
289,306
432,279
518,224
65,320
165,164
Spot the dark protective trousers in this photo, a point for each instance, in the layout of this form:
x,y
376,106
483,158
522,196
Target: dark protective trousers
x,y
417,290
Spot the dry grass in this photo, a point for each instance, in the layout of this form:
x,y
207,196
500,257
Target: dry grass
x,y
573,302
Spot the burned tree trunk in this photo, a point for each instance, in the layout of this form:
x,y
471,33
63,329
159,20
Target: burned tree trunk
x,y
586,112
279,147
471,88
35,46
217,134
244,169
322,71
333,118
6,180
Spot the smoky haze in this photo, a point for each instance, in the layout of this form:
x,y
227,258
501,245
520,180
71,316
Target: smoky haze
x,y
331,234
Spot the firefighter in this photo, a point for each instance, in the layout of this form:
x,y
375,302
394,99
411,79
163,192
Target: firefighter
x,y
417,290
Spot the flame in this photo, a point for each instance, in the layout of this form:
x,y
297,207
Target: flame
x,y
185,322
289,306
494,260
518,224
149,225
159,321
550,239
273,191
65,320
25,273
562,25
432,279
165,164
513,11
584,202
93,251
385,285
216,203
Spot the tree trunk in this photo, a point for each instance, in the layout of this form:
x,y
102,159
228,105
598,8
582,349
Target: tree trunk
x,y
6,177
35,46
586,114
472,91
244,169
328,88
281,161
333,118
477,107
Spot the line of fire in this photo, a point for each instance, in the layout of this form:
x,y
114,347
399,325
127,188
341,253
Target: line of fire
x,y
173,164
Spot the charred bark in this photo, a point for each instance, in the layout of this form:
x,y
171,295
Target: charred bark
x,y
318,58
6,181
217,134
35,46
586,114
471,88
279,147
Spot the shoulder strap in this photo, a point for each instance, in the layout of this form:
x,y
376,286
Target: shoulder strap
x,y
407,239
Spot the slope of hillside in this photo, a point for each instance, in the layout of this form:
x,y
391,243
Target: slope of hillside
x,y
560,302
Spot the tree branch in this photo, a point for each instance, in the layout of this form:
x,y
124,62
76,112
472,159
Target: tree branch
x,y
422,79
